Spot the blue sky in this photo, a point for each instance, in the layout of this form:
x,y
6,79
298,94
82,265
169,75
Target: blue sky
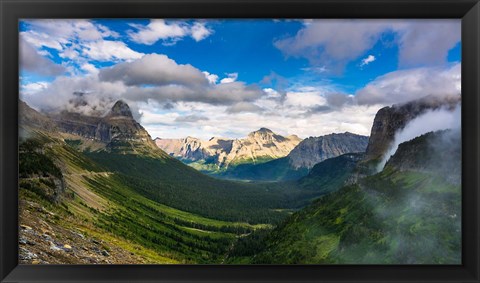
x,y
228,77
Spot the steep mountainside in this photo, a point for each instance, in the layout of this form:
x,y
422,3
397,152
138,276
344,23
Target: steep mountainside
x,y
117,130
258,147
389,120
31,118
301,159
435,152
409,213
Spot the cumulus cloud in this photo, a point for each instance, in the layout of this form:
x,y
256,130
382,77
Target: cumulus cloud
x,y
335,42
153,78
154,69
332,42
232,77
62,94
200,31
405,85
108,50
169,32
305,97
32,88
32,61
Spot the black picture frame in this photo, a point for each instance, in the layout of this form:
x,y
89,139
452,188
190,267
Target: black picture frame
x,y
13,10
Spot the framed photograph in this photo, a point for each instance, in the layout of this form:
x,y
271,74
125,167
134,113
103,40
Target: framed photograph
x,y
236,141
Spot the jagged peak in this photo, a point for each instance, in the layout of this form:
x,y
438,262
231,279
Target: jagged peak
x,y
261,131
121,108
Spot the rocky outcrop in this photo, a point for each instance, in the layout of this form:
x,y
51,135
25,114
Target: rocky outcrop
x,y
389,120
259,146
317,149
76,123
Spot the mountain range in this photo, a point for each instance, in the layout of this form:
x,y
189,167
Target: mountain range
x,y
258,147
97,189
262,155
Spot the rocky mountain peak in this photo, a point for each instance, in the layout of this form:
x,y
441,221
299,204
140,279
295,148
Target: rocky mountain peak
x,y
120,108
261,132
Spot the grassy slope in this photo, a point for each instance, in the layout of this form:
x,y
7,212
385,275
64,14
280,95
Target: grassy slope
x,y
391,217
169,181
98,203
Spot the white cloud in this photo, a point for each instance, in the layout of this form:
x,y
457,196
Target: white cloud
x,y
405,85
107,50
232,77
32,88
426,42
306,98
89,68
221,123
78,40
200,31
169,32
43,40
157,30
272,93
367,60
334,43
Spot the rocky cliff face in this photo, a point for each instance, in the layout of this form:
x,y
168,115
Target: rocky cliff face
x,y
391,119
257,147
316,149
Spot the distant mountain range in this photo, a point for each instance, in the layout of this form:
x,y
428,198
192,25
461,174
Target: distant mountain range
x,y
258,147
262,155
301,159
